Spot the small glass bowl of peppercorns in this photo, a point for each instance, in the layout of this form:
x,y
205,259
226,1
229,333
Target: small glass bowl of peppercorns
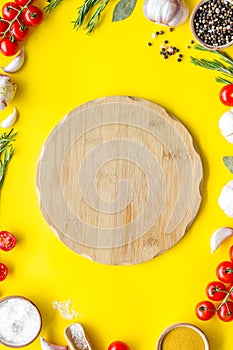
x,y
212,25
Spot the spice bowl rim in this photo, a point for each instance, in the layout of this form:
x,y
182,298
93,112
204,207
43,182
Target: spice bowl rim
x,y
40,319
210,47
179,325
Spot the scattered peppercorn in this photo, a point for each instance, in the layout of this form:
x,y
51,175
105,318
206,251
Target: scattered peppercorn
x,y
166,41
161,32
149,44
188,47
170,29
180,55
192,42
157,33
179,59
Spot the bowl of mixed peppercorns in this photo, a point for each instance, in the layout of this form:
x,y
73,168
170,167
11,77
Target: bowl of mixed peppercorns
x,y
212,23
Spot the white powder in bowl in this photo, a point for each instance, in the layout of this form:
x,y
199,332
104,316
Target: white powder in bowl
x,y
20,321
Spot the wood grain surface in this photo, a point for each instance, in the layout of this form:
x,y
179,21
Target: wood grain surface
x,y
119,179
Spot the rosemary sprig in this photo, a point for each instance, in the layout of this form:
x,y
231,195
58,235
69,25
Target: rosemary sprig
x,y
85,9
52,4
6,153
225,66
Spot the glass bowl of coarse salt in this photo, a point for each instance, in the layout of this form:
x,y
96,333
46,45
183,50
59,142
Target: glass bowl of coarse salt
x,y
20,321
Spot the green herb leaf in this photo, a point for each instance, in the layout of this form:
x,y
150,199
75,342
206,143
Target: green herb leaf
x,y
123,10
228,161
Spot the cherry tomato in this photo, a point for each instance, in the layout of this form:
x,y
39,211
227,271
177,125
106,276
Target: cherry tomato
x,y
22,2
205,310
224,271
3,26
10,10
118,345
225,313
8,46
19,31
7,241
216,291
231,253
226,95
3,271
32,16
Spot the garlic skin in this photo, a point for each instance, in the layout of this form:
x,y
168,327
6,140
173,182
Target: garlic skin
x,y
10,120
7,90
166,12
219,236
225,199
226,125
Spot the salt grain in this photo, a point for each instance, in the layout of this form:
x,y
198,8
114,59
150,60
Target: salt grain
x,y
65,309
20,321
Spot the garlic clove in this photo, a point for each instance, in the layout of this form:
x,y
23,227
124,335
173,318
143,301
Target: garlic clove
x,y
10,120
15,64
219,236
225,199
49,346
7,90
226,125
166,12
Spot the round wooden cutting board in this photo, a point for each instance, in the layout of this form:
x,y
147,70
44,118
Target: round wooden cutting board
x,y
119,180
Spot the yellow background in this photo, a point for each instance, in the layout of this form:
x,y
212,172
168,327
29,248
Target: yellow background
x,y
64,69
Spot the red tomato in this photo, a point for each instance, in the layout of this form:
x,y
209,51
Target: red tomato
x,y
32,16
23,2
225,313
3,271
216,291
7,241
118,345
8,47
224,271
205,310
231,253
226,95
3,26
10,10
19,31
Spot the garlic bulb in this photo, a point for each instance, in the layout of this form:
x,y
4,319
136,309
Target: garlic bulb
x,y
226,125
225,199
166,12
7,90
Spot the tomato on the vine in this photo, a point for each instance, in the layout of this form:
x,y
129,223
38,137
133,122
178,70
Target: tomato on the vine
x,y
226,95
216,291
118,345
205,310
10,10
22,2
19,31
3,271
8,46
224,271
3,26
7,241
32,16
225,312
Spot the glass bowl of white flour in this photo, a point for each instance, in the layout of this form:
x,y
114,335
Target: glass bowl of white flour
x,y
20,321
